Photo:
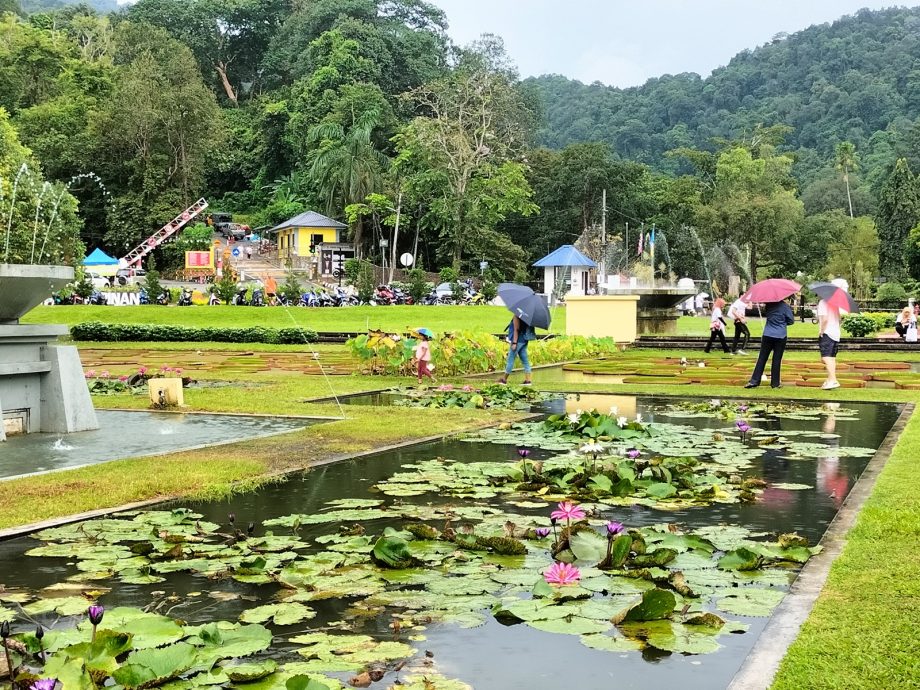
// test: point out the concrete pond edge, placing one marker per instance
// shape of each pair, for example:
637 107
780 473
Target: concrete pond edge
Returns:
762 662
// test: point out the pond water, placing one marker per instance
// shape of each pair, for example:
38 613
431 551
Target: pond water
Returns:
494 656
131 435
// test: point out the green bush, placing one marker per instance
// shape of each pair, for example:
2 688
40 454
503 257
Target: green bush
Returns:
291 289
891 292
102 332
152 281
225 288
859 325
418 287
467 353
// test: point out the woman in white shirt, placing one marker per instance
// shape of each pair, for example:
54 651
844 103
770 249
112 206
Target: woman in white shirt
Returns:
717 326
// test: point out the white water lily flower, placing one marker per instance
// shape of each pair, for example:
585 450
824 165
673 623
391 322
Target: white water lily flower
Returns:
622 422
638 419
573 418
614 410
592 447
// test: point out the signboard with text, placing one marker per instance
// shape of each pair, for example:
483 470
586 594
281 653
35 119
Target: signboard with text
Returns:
199 259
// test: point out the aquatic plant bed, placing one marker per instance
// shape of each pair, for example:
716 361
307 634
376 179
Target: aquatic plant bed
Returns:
490 396
472 563
134 434
736 371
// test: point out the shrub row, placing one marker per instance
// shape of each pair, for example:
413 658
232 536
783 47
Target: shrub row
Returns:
117 332
867 323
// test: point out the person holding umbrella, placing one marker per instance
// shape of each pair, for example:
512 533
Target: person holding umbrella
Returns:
530 312
779 316
834 300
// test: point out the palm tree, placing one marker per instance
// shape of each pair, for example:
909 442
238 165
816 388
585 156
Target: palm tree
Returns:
846 161
345 166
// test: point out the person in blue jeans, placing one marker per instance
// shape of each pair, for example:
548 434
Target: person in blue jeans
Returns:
779 316
519 335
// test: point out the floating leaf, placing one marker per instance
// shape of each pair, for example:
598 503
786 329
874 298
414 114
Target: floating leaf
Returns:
655 605
155 666
246 673
741 559
279 614
571 625
751 601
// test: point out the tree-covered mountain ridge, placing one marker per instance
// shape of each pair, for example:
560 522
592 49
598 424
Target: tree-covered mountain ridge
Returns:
856 79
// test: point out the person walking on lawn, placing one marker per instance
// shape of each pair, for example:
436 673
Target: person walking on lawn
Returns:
773 341
422 355
519 335
738 313
717 327
829 336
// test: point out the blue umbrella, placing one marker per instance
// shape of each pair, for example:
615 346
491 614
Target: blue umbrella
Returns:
524 303
425 332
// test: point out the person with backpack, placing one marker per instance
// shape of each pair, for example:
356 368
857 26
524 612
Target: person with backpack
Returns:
519 335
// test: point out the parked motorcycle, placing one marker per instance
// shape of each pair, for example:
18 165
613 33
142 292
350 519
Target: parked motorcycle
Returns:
213 300
143 298
258 299
185 299
97 299
163 298
239 299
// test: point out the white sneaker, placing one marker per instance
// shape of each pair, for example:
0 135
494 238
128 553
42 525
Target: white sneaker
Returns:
741 352
830 385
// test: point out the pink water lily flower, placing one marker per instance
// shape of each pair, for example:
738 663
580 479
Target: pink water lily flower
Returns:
568 511
446 387
562 574
468 389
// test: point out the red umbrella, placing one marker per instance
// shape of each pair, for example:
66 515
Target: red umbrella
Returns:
771 290
835 296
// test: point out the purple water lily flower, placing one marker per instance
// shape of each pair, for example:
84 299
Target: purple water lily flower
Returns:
44 684
95 614
742 408
542 532
523 452
615 528
633 453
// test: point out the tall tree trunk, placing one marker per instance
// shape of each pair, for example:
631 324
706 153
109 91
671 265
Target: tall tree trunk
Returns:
846 181
358 237
753 264
395 237
228 87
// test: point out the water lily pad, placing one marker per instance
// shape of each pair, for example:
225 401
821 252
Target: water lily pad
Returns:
150 667
571 625
280 614
670 636
741 559
751 601
609 643
246 673
655 605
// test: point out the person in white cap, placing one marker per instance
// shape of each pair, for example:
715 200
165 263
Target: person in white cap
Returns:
829 336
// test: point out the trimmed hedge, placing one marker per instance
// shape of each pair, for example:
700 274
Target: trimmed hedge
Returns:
96 331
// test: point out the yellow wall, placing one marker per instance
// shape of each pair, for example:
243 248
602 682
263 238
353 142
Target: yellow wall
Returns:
286 240
602 316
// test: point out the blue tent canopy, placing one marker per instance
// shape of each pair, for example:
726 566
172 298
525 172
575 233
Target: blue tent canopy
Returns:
566 255
99 258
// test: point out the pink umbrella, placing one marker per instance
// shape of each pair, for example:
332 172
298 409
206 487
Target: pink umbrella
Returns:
771 290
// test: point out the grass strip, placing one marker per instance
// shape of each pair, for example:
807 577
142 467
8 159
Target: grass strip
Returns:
862 631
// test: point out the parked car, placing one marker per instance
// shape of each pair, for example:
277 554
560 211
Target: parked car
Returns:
234 230
98 280
216 219
130 276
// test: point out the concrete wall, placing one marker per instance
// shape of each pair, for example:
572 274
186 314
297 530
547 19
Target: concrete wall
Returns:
602 316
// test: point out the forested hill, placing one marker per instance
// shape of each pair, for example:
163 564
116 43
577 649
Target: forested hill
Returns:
851 80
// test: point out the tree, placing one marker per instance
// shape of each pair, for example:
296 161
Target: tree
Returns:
227 37
898 213
912 253
752 206
345 167
845 161
854 255
472 124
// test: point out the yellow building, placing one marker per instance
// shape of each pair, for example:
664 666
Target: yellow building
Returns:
312 238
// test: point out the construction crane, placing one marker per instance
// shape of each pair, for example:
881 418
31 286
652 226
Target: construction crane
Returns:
136 255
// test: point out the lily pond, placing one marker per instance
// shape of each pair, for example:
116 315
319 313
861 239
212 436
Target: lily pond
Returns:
641 541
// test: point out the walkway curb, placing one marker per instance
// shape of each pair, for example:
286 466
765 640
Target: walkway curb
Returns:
760 666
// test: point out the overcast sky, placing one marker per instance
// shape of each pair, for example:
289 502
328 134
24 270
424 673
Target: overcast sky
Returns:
624 43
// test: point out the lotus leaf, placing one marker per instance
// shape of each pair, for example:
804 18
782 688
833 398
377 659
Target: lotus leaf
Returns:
225 640
571 625
741 559
656 604
279 614
246 673
334 653
151 667
588 546
670 636
751 601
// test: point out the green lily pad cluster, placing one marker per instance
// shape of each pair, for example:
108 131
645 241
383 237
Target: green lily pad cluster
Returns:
756 410
495 396
134 649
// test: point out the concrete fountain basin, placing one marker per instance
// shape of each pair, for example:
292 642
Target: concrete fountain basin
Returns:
23 287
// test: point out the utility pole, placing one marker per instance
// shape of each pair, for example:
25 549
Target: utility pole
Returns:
603 271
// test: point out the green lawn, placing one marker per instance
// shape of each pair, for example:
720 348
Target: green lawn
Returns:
699 325
348 319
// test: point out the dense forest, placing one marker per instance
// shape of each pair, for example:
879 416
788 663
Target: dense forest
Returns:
797 157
